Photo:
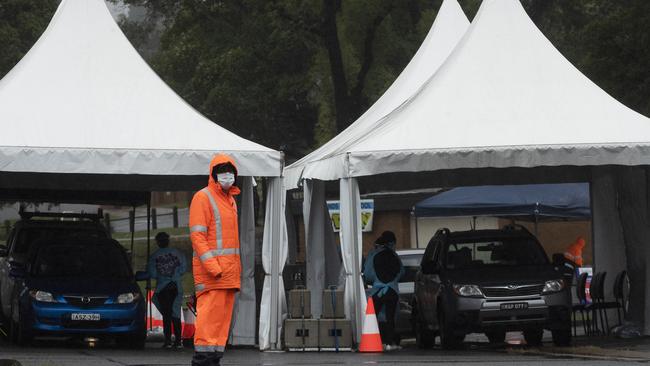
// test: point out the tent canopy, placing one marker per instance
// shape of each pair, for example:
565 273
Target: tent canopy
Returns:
570 200
83 101
505 97
447 29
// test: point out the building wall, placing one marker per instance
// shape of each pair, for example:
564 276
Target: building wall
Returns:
427 227
395 221
557 235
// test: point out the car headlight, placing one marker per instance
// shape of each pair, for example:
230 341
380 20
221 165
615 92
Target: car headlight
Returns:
42 296
127 298
468 290
553 286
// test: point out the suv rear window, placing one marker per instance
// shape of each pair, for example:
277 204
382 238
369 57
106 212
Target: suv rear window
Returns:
502 252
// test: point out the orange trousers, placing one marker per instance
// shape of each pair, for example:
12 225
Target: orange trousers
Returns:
213 316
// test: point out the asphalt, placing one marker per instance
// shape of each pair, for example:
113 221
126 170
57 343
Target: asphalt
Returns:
473 353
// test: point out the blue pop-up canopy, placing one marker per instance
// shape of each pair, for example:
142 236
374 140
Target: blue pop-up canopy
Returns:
569 200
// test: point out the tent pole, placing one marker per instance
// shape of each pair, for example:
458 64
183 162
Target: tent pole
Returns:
132 227
148 253
417 233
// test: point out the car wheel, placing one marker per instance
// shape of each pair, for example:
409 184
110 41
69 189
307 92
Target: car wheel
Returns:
19 333
497 336
424 338
562 337
448 340
533 337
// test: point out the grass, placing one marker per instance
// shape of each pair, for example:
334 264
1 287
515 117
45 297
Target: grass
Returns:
182 243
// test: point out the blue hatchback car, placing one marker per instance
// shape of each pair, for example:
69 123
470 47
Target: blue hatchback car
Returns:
78 287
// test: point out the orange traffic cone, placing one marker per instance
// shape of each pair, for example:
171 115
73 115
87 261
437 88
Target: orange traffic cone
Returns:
370 338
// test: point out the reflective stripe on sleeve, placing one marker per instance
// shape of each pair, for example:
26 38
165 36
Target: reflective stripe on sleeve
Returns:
217 217
199 287
217 253
198 228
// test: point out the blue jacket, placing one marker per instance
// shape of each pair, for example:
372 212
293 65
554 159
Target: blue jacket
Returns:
168 265
380 288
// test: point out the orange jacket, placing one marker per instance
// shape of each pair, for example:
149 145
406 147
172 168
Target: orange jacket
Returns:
215 238
574 252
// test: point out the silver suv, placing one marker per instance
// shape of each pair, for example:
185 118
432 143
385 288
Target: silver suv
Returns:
489 281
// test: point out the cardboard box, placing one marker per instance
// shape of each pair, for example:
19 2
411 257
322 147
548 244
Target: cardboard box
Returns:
301 335
333 304
299 303
335 333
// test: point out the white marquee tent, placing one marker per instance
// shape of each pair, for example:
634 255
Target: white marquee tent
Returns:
505 105
83 112
322 259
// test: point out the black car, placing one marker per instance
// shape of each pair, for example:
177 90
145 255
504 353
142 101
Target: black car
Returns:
411 259
489 281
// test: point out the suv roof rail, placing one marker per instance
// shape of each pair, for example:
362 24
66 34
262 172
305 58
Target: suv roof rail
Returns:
25 215
443 231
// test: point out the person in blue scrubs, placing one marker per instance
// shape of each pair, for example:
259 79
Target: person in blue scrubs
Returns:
383 270
167 266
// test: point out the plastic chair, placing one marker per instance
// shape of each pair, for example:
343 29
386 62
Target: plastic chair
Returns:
581 306
619 294
601 305
592 308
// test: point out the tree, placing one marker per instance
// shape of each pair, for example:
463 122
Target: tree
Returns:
21 23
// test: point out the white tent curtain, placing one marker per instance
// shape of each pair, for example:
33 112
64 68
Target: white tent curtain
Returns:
323 262
355 300
314 199
243 327
273 307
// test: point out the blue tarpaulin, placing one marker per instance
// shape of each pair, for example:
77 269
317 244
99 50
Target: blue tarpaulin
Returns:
570 200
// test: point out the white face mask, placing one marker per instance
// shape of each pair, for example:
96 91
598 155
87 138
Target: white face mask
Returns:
226 180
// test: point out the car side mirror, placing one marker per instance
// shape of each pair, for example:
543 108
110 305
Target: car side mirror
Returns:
558 259
430 268
141 275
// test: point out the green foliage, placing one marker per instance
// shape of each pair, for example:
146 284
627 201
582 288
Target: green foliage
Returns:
21 23
276 72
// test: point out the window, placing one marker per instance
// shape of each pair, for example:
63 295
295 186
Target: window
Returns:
83 260
411 263
468 254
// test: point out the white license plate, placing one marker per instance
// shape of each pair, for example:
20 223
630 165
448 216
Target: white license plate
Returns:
515 306
86 317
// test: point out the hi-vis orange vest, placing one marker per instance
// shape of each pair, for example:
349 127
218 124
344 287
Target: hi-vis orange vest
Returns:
574 252
215 235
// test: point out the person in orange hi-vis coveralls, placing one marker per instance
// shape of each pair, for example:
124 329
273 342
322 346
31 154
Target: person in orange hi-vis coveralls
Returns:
574 251
216 263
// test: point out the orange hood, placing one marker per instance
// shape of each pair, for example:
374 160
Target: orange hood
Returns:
219 159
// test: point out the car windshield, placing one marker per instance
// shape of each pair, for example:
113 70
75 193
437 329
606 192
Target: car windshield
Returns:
84 260
28 236
468 254
411 263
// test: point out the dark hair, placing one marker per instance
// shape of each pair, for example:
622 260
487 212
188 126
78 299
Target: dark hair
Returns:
162 238
385 238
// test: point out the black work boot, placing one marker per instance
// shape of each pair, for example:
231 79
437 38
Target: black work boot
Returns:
207 358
